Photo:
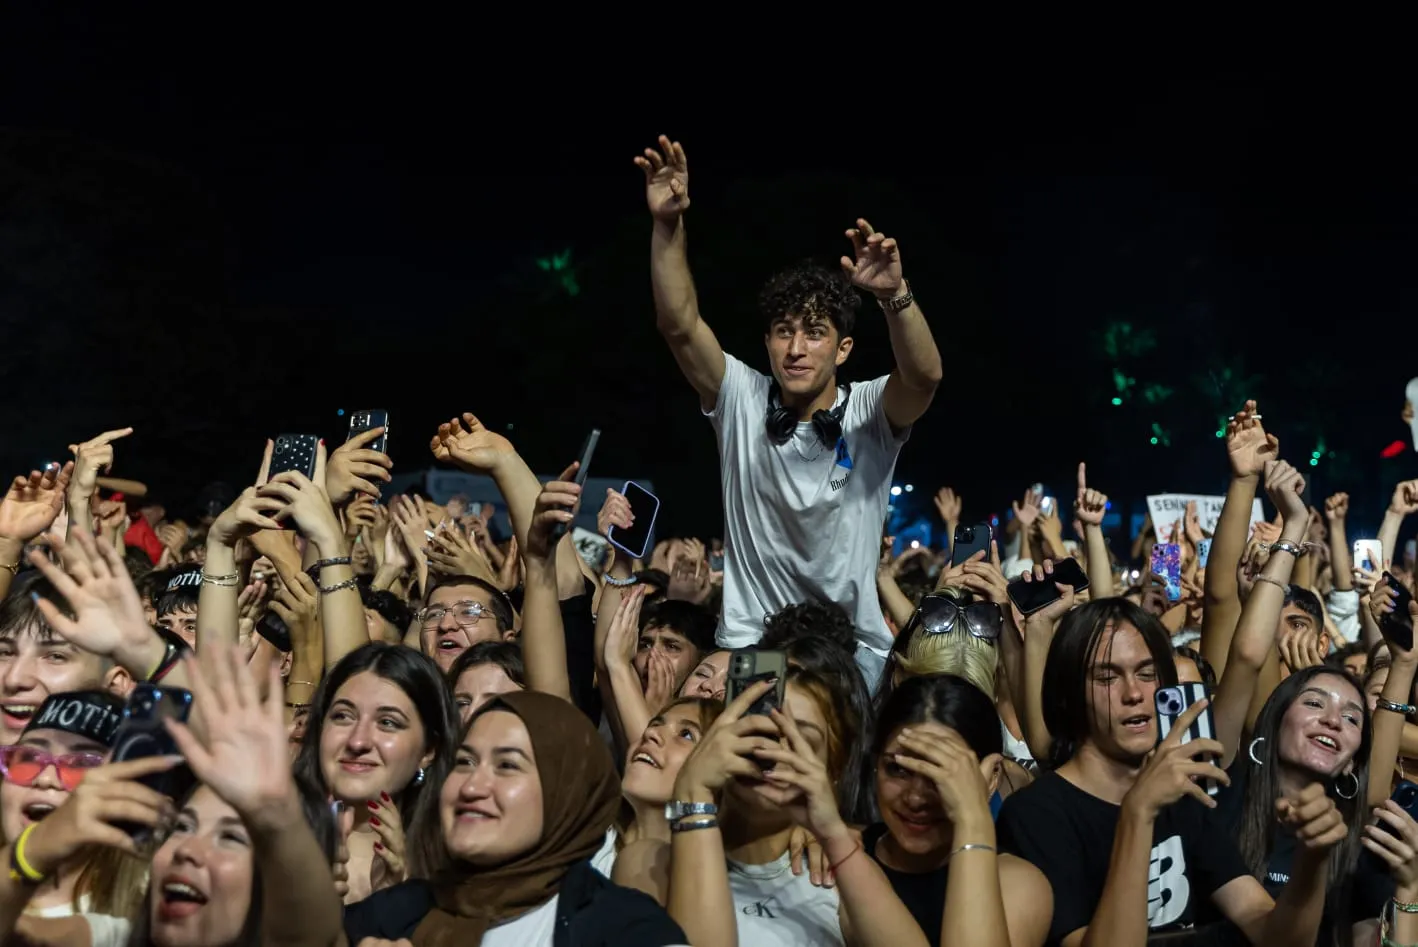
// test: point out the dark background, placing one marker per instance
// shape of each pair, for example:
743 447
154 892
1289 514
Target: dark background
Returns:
214 236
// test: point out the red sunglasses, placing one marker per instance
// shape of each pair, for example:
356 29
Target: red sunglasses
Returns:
22 765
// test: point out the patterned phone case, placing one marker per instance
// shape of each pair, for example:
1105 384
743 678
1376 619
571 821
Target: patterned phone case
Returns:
1172 702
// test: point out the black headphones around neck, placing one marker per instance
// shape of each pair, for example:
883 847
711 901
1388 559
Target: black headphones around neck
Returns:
782 422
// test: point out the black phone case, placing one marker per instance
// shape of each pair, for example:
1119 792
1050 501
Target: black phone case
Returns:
969 540
142 734
746 668
588 451
1030 597
1172 702
368 420
294 452
1397 625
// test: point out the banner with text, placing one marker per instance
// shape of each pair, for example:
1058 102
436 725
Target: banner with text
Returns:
1167 508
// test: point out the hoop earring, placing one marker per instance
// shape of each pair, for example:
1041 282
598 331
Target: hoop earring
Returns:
1252 751
1352 792
418 777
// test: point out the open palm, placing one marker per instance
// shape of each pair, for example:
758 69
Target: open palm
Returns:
244 754
108 613
32 503
1247 444
666 179
877 267
470 445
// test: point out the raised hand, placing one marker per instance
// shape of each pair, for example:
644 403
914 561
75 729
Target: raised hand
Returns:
1089 505
877 267
1405 498
689 582
1027 509
249 513
1247 445
307 503
1284 485
471 446
624 633
32 503
92 456
297 603
108 612
948 505
556 506
353 466
1191 524
244 754
450 553
666 180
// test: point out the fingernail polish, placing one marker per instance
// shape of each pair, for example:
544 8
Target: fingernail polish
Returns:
384 796
373 805
378 847
374 820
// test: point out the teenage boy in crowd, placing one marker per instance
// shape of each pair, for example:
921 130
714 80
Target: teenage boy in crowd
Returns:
806 462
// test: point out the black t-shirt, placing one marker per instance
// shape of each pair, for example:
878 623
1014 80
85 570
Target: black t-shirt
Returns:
923 893
1371 884
1068 834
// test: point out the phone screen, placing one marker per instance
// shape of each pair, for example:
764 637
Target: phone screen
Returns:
644 507
1029 597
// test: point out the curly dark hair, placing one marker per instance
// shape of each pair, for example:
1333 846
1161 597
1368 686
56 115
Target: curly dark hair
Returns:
807 289
824 619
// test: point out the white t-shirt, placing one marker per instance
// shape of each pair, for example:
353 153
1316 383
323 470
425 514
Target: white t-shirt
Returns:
533 929
802 521
604 859
104 930
776 908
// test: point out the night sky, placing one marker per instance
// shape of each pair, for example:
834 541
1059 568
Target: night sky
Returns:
215 246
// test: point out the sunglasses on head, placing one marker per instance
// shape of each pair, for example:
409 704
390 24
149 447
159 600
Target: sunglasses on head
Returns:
22 765
942 615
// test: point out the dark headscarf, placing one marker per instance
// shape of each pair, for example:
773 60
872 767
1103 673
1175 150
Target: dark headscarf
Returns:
580 797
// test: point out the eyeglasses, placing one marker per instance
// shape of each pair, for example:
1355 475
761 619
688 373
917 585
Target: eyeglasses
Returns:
465 614
941 615
22 765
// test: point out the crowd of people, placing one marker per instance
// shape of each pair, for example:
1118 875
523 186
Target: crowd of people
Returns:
319 714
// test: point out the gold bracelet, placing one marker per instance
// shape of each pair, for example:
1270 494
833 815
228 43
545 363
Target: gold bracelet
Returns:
14 567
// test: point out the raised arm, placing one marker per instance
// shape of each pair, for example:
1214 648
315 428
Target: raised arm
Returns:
877 269
1248 447
692 342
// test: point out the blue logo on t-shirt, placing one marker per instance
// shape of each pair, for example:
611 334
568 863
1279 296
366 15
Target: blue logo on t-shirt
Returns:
844 459
842 469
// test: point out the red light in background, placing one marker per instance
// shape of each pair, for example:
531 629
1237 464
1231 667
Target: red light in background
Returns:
1393 450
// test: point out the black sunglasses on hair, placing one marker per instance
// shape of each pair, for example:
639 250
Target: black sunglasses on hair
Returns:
941 615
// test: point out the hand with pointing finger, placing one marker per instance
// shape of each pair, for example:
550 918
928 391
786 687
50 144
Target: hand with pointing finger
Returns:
1089 505
92 456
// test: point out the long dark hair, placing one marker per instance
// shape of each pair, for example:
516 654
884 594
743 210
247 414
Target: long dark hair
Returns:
322 823
1257 828
945 699
422 682
1066 688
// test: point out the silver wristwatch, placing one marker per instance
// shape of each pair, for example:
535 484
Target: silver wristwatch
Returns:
898 303
674 811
